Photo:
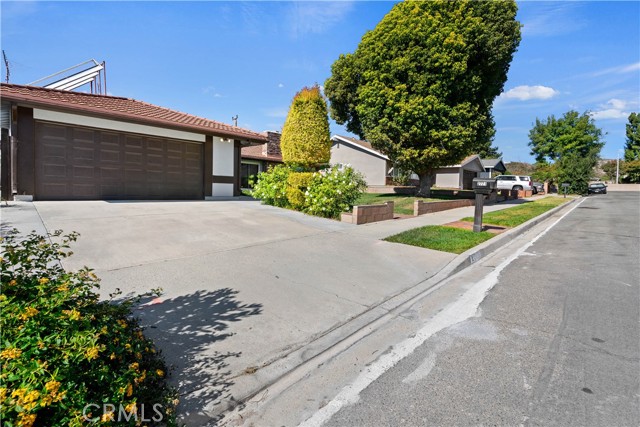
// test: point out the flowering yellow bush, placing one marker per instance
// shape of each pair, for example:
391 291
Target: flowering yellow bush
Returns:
63 349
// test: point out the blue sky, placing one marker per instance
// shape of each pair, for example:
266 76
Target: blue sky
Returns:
219 59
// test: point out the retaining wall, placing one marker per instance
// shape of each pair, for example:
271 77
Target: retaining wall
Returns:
369 213
420 207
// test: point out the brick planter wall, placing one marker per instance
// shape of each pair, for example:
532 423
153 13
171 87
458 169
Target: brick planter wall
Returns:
369 213
420 207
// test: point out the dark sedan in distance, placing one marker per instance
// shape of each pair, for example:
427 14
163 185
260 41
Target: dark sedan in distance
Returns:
597 188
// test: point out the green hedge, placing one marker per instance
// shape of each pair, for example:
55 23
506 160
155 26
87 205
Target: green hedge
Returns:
327 193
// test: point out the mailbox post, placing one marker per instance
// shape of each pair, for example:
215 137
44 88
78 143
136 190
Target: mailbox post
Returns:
482 187
565 187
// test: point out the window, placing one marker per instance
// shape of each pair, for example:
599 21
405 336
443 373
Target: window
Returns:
248 171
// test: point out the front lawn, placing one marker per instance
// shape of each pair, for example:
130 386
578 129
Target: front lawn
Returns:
402 204
441 238
520 214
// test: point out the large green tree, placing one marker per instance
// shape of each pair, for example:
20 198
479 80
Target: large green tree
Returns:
306 141
420 86
551 139
571 143
632 146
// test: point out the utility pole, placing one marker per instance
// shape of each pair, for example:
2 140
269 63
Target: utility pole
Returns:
6 65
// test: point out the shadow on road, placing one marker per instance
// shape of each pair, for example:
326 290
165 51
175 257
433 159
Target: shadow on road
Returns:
186 329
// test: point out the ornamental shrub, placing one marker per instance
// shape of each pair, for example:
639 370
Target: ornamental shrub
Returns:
306 141
271 186
63 349
334 191
297 185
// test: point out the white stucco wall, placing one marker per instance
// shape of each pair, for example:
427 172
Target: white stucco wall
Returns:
373 168
222 157
97 122
221 190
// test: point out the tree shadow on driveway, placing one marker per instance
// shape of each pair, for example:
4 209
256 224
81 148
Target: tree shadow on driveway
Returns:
186 329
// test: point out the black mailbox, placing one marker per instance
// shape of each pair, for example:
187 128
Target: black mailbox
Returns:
484 185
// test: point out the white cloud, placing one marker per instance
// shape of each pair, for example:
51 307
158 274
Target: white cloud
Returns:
280 85
316 17
526 93
621 69
609 113
613 109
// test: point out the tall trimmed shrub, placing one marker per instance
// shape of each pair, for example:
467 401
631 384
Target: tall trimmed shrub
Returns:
306 141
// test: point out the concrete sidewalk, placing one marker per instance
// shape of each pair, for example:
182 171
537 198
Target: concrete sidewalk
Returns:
251 291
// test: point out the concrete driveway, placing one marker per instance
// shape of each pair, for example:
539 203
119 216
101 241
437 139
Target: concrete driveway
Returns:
245 285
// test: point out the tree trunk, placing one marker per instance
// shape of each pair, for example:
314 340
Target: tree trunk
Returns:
426 181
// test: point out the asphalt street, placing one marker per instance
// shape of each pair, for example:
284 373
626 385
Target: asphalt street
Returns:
555 342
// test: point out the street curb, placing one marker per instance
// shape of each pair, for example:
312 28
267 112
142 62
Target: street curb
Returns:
476 253
354 329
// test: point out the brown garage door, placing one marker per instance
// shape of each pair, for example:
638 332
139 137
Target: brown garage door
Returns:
75 163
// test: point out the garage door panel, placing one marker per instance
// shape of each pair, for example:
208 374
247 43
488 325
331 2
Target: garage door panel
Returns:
54 132
56 191
83 172
133 158
84 153
192 164
155 144
53 171
155 160
110 174
109 156
84 191
82 163
53 151
132 142
82 135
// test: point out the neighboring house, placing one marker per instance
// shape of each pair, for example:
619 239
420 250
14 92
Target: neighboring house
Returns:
493 165
374 165
259 158
62 145
460 176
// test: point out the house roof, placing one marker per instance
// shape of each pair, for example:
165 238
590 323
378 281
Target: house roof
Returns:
257 152
467 160
366 146
119 108
496 164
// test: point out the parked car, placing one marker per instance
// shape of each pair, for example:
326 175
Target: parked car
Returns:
538 187
513 182
597 188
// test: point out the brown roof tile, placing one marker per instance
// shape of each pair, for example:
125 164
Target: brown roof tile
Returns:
122 108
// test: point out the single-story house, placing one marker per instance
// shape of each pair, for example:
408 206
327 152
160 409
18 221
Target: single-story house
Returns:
461 175
493 165
64 145
374 165
259 158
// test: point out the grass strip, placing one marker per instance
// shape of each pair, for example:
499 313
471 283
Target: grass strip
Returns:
441 238
520 214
